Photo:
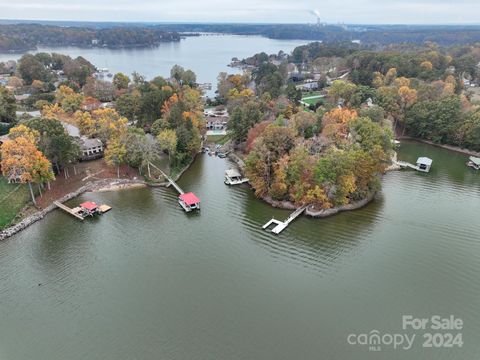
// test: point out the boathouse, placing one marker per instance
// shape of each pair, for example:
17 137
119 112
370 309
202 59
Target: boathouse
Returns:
474 162
424 164
233 177
189 201
89 208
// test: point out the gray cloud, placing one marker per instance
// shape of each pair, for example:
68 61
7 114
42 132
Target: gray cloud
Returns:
349 11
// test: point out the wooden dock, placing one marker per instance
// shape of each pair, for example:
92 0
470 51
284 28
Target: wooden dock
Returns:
170 180
281 225
68 210
405 164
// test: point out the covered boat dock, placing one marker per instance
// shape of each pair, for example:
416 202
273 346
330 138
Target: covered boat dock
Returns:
474 162
189 201
233 177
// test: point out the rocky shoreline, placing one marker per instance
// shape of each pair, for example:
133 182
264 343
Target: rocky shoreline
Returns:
103 185
288 205
329 212
94 186
310 211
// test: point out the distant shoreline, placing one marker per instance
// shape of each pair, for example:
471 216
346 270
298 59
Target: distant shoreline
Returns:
443 146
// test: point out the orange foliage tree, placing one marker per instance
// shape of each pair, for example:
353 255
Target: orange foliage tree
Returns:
23 163
335 123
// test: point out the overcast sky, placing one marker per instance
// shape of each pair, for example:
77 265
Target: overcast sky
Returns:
296 11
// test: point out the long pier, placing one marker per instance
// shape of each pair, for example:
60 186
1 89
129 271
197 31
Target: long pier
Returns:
281 225
405 164
170 180
68 210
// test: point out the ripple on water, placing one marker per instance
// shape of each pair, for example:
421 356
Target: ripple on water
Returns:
148 280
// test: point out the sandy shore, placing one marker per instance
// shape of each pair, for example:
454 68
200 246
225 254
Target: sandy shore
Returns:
116 187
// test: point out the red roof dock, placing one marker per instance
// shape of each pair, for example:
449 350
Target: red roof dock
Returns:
189 201
189 198
89 205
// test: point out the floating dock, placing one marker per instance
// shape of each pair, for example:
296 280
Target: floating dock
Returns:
405 164
424 164
75 211
474 162
233 177
281 225
188 201
85 209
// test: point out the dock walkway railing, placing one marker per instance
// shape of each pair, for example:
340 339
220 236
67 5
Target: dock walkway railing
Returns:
405 164
281 225
68 210
170 180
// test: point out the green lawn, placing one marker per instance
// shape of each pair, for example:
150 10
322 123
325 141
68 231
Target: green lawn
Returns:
218 139
311 97
312 101
13 198
310 93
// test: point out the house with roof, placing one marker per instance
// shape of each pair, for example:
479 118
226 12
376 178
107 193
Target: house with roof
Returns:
216 123
308 86
90 104
91 148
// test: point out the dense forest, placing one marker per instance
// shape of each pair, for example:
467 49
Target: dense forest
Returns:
26 36
368 34
23 37
327 152
330 151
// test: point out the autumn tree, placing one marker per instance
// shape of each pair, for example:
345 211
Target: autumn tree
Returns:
305 124
8 106
68 99
128 105
54 142
407 97
335 123
116 153
121 81
30 69
104 124
342 90
22 162
167 140
15 82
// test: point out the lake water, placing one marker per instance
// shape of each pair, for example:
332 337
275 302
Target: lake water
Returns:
206 55
147 281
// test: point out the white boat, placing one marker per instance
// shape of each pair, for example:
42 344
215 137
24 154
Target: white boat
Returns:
233 177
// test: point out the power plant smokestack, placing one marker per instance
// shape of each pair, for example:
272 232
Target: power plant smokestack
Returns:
317 14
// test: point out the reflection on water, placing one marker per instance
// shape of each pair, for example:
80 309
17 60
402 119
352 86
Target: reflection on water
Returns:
205 55
147 280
